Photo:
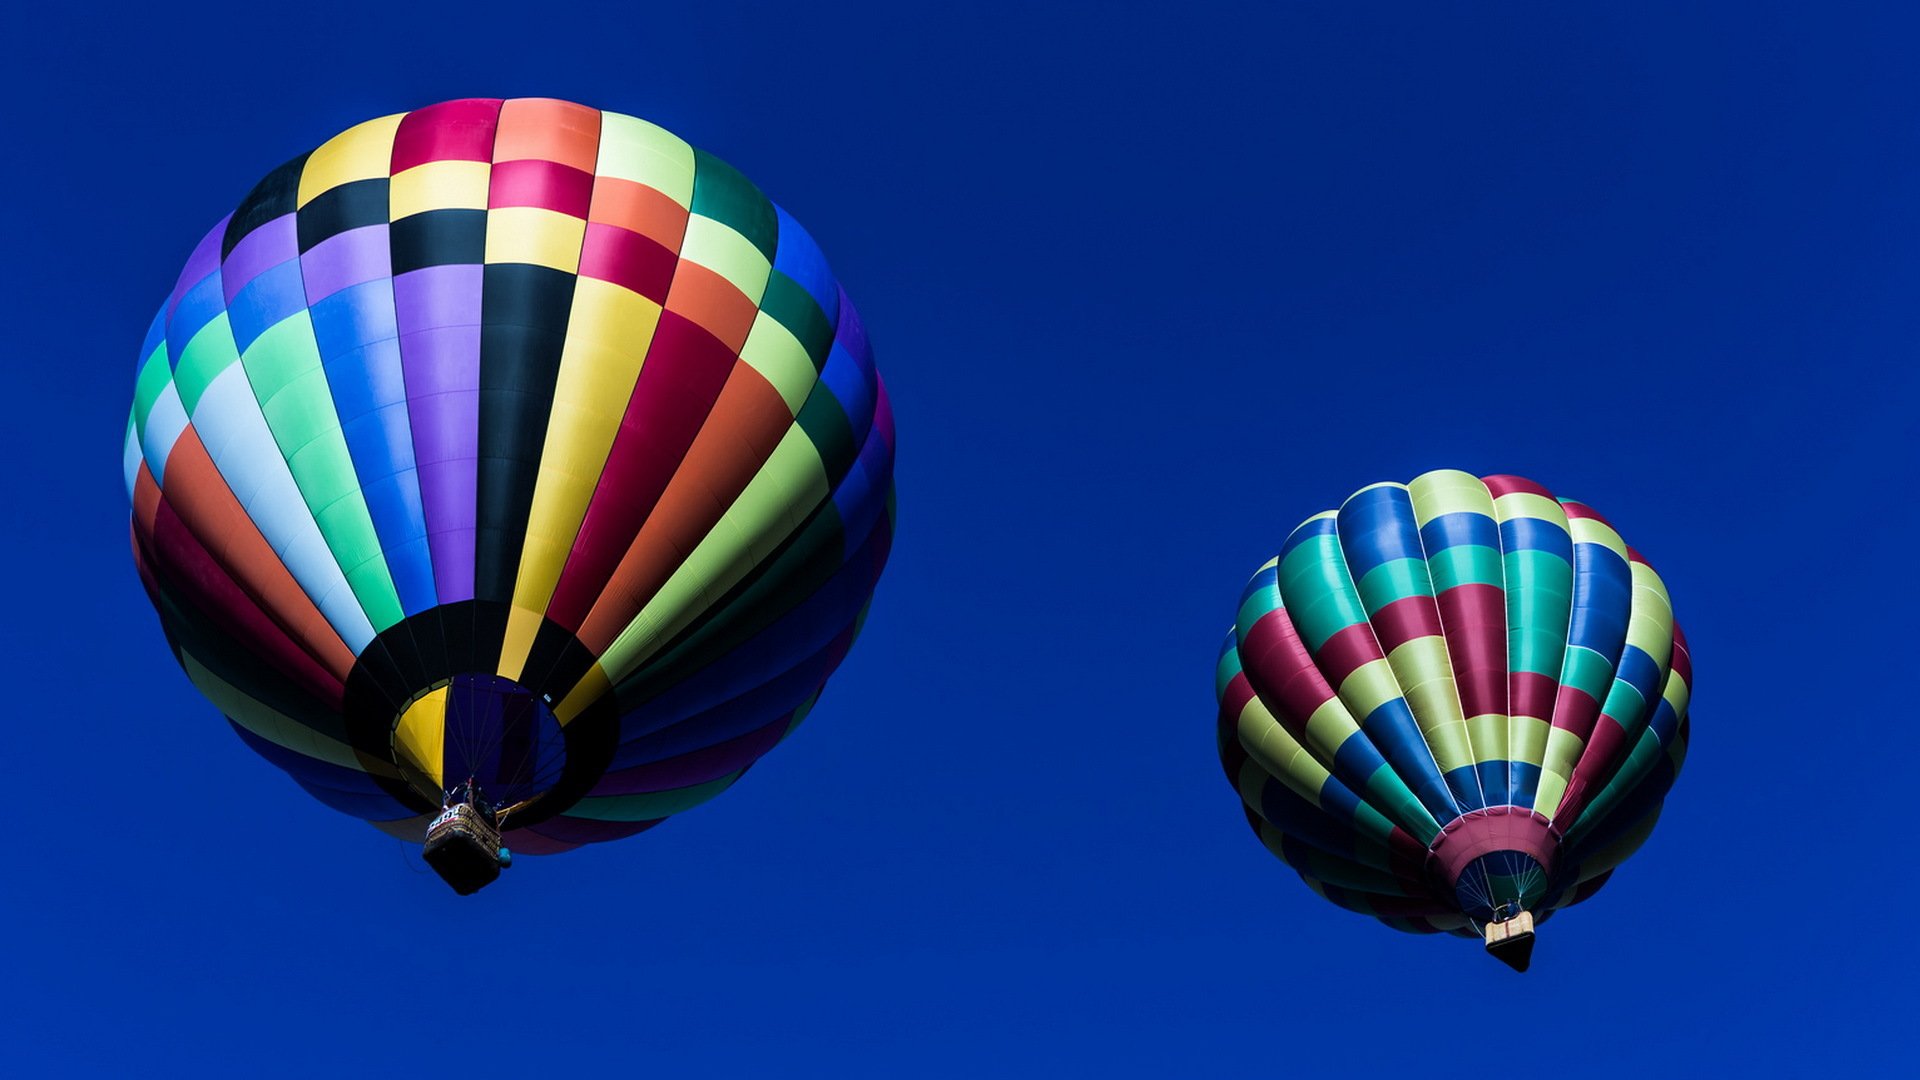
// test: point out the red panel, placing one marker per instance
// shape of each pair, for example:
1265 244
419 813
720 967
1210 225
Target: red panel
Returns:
452 131
545 184
683 373
1475 617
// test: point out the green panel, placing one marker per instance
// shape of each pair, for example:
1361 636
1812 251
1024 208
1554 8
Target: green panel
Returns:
1319 596
203 359
721 193
826 425
283 365
147 388
1388 792
1254 607
793 307
1466 564
1587 670
1394 580
1225 672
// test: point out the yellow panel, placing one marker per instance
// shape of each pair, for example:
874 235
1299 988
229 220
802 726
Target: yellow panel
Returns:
529 234
632 149
1529 735
1489 734
1448 491
1277 752
584 693
1519 504
607 335
725 252
773 351
1448 744
1594 531
522 625
362 152
1370 686
1329 727
419 736
1650 621
439 185
1546 797
1563 752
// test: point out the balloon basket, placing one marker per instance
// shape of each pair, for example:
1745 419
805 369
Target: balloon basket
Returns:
463 847
1511 941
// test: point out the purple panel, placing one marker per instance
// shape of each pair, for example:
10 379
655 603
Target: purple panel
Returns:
260 250
204 260
438 313
353 257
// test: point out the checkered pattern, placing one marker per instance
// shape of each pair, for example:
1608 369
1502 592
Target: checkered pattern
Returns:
515 388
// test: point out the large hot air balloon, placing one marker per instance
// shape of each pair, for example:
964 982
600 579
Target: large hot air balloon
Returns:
1454 705
509 465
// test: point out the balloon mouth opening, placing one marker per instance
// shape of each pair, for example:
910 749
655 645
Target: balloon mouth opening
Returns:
483 728
1496 862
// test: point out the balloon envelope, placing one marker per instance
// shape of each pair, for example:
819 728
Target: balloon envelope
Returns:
1452 700
515 441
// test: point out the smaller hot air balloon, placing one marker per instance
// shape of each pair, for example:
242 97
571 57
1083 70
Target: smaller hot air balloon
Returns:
1455 705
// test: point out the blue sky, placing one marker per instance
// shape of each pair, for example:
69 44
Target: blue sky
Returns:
1148 288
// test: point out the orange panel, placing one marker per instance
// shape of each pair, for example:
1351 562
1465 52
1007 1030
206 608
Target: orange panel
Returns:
206 505
639 208
712 303
548 130
747 422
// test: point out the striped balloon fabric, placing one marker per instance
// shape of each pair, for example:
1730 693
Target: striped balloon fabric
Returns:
1452 700
515 441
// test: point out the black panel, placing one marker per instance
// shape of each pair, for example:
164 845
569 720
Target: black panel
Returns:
524 328
274 196
438 238
337 210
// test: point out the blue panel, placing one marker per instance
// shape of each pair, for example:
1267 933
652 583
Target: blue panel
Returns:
1356 760
1461 527
1602 599
156 336
1377 526
798 257
852 385
355 316
1526 783
1639 671
1307 531
354 329
1533 534
265 301
1467 781
199 306
861 498
1393 730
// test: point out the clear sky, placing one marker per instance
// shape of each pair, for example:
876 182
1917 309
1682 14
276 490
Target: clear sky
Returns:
1148 286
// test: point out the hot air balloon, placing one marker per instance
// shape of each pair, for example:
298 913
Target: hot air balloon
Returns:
511 468
1454 705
